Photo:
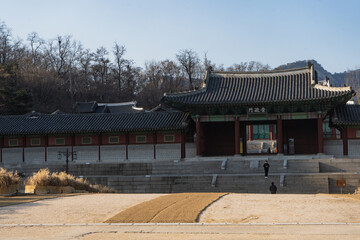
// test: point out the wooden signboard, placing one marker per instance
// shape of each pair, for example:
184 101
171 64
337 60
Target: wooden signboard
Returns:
341 183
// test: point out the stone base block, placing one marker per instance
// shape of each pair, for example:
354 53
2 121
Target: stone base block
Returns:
9 190
48 189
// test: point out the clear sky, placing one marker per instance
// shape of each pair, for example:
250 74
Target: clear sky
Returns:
273 32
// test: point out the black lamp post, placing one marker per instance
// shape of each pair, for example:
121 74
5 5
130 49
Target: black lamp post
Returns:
66 153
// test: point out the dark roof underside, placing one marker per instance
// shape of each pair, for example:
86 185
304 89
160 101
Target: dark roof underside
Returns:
89 123
346 115
251 88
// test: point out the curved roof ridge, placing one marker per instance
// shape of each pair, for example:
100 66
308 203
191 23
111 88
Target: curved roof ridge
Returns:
261 73
188 92
269 71
334 89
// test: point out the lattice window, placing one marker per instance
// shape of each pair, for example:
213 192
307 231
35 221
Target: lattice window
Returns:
13 142
59 141
35 141
141 139
169 138
113 139
86 140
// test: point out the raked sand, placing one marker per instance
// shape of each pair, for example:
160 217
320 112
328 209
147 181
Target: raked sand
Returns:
232 208
92 208
282 208
329 214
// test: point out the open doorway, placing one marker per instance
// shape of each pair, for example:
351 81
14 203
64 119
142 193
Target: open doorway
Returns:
261 139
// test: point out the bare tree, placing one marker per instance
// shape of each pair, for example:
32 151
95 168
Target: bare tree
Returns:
190 64
120 62
35 47
5 42
101 66
252 66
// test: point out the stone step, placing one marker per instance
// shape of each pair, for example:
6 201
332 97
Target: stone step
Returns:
295 183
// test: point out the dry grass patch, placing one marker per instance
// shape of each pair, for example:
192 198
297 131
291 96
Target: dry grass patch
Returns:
61 179
172 208
8 178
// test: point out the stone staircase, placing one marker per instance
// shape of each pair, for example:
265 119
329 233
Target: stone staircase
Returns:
291 174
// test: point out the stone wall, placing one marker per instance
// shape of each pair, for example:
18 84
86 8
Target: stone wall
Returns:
113 154
34 155
90 154
141 152
12 155
190 150
333 147
354 147
168 151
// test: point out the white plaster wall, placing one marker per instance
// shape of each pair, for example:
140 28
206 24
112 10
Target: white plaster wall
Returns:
12 155
354 148
333 147
143 152
86 154
52 155
168 151
113 153
190 150
35 155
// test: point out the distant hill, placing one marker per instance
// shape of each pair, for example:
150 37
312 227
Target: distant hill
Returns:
349 78
337 80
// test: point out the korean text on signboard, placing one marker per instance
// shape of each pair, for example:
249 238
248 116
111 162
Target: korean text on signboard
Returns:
256 110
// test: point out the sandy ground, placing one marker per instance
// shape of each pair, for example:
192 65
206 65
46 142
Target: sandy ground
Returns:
282 208
92 208
254 216
234 232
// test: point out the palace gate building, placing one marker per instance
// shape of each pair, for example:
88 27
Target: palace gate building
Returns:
275 112
263 112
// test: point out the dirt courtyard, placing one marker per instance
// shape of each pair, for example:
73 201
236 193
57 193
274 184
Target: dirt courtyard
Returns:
234 216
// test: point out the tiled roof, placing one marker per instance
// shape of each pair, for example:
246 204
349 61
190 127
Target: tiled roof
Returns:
85 107
88 123
95 107
163 107
124 107
231 88
346 115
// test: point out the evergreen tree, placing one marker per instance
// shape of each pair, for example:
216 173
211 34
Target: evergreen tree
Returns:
14 99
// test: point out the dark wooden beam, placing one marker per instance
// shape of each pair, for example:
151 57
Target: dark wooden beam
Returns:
344 135
320 134
237 136
279 130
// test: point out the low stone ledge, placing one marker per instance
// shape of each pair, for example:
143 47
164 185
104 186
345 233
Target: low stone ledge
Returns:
48 189
10 189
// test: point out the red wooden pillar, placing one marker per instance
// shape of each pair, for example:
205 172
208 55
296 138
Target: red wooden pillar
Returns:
155 142
237 136
344 133
271 131
45 146
279 130
250 133
23 148
320 134
72 146
243 138
127 145
183 143
198 136
99 144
